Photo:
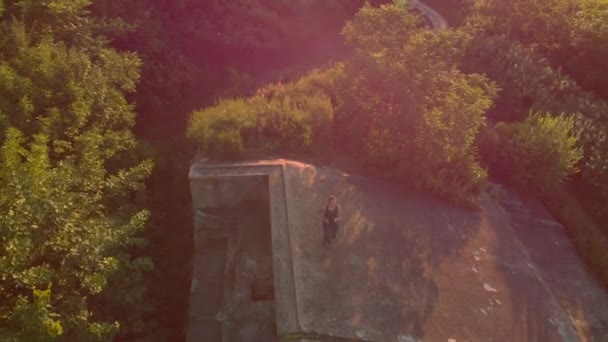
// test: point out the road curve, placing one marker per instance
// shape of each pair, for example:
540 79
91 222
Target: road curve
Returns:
437 20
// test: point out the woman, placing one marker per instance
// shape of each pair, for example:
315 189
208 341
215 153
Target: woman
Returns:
330 215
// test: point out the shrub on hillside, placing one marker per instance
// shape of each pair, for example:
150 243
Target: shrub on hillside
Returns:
279 125
408 109
278 118
401 103
217 130
530 83
315 94
460 181
445 137
540 152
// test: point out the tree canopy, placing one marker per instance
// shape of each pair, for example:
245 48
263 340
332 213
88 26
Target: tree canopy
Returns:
71 178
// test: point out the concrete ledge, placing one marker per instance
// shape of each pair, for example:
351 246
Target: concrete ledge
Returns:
286 294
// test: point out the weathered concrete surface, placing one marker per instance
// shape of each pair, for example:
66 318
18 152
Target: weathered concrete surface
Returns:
406 267
225 185
558 266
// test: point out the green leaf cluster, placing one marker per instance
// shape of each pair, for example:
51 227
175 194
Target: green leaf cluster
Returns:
72 179
279 118
529 83
539 153
549 57
573 35
409 107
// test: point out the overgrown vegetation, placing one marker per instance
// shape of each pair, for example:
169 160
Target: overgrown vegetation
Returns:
399 101
72 198
535 53
194 51
523 82
571 34
412 102
537 154
281 118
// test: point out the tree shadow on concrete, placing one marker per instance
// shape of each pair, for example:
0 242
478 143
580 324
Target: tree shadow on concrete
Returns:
554 297
373 283
530 300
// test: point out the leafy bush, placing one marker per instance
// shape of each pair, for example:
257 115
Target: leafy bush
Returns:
445 137
571 34
281 124
278 118
529 83
459 181
316 94
72 180
381 29
217 130
400 102
586 58
538 23
540 152
408 109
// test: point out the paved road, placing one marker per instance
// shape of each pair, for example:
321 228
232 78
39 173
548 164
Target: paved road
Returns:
437 20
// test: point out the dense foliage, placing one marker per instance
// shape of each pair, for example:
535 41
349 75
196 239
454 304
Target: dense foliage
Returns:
400 101
280 118
529 83
538 154
71 179
571 34
412 102
549 56
196 50
525 82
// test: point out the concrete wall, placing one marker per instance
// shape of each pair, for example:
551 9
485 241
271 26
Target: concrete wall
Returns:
213 186
216 199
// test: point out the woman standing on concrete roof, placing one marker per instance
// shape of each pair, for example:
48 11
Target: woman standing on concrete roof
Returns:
330 215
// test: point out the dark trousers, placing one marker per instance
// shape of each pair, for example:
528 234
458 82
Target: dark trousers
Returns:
330 230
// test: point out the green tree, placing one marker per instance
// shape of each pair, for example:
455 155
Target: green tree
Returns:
539 153
529 83
408 106
589 46
278 118
381 30
534 23
61 245
72 180
573 35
